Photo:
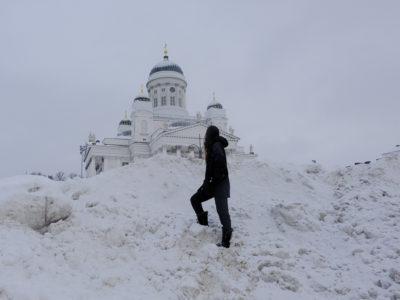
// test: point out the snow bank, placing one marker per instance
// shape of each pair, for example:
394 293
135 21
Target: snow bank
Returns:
130 233
23 200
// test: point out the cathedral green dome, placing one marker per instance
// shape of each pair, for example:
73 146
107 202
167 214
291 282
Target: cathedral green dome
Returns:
125 122
166 65
215 105
141 98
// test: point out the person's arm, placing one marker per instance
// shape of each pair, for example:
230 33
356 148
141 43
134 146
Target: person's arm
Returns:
218 163
205 187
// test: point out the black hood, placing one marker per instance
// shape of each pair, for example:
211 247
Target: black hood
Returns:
212 133
222 140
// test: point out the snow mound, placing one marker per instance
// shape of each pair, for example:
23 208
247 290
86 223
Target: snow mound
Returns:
295 215
26 204
299 233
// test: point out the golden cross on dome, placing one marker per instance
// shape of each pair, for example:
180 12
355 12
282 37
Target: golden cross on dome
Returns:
141 89
165 49
214 96
126 115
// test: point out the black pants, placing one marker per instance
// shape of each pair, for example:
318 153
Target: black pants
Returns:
220 202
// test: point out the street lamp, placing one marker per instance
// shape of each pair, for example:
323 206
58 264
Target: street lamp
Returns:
199 147
82 150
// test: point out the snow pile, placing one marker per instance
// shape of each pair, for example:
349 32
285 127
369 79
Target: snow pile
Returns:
23 201
299 233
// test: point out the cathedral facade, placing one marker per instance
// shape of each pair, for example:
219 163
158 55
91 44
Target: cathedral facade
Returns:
159 122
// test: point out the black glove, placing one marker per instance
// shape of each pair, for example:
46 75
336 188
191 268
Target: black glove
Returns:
218 176
200 189
207 186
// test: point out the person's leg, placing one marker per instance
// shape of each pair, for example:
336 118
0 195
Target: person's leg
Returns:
223 212
196 200
221 204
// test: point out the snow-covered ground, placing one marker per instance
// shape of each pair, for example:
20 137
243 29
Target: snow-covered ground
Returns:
299 233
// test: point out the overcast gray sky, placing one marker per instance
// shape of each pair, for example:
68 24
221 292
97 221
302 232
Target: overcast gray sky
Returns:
300 80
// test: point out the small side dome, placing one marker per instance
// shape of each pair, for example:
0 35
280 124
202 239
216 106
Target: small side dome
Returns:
142 98
124 128
125 122
215 105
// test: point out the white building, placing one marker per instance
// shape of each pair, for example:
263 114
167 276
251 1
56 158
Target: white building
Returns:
159 122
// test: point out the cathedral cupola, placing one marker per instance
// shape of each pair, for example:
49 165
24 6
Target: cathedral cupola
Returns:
166 66
141 102
125 126
141 96
214 104
216 115
142 118
166 87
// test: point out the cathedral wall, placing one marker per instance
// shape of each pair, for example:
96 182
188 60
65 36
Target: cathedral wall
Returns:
90 171
168 96
221 123
102 158
112 162
158 124
143 126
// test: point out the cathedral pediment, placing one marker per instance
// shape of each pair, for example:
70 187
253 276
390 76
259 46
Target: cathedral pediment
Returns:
191 134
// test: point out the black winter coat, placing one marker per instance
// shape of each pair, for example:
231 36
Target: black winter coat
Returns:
216 182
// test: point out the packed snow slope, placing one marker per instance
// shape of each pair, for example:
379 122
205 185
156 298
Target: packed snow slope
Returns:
130 233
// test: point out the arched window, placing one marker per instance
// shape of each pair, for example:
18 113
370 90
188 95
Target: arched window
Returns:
155 102
172 98
164 100
143 126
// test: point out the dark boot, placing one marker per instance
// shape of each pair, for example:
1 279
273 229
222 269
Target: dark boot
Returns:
203 218
226 237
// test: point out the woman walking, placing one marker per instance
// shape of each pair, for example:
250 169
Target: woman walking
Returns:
215 185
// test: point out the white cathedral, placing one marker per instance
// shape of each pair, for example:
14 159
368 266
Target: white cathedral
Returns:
159 122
